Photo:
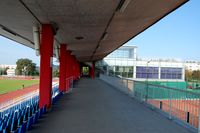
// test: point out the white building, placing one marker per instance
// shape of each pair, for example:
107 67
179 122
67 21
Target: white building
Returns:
124 62
11 72
192 65
8 66
159 70
11 69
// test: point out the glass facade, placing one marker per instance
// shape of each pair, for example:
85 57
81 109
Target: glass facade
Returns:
116 69
122 53
120 62
171 73
124 71
123 62
147 72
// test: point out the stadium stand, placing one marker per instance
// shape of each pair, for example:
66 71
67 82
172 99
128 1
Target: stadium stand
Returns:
20 118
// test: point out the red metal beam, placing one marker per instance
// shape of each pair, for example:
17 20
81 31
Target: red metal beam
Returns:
92 70
46 50
63 64
68 69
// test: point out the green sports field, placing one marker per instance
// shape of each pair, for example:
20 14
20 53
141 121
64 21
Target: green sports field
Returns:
8 85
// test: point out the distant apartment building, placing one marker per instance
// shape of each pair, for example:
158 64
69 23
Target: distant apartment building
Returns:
8 66
192 65
11 72
11 69
124 62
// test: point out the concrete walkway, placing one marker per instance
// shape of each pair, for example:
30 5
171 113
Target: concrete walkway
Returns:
95 107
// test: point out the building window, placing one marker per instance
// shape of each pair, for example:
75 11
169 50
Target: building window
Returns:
147 72
121 53
124 71
171 73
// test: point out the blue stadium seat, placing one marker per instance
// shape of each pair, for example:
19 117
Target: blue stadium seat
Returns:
21 117
36 116
22 128
29 123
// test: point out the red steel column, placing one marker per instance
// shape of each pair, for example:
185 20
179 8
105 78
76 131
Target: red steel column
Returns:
67 70
74 67
46 50
63 60
92 70
70 66
79 69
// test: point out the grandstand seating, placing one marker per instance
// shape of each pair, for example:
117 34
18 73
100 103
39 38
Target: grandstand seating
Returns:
21 117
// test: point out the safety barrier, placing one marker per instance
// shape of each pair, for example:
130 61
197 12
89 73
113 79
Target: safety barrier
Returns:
69 84
22 119
178 104
18 102
20 113
21 101
29 98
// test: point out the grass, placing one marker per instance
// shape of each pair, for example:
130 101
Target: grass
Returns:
8 85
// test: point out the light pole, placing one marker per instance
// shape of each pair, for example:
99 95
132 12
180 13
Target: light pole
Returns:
147 72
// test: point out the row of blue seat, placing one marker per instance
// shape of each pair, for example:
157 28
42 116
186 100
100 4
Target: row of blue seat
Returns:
22 104
19 119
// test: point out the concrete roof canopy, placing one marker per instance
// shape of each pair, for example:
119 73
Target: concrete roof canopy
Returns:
90 28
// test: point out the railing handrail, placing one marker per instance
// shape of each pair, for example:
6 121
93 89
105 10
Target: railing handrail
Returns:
161 86
21 99
27 96
174 103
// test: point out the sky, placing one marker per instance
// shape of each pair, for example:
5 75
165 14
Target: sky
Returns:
175 36
11 51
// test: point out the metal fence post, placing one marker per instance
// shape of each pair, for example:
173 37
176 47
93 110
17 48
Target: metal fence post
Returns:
72 84
127 83
161 104
170 104
146 96
141 97
199 119
133 88
188 117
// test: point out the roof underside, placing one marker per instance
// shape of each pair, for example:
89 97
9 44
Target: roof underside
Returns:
102 26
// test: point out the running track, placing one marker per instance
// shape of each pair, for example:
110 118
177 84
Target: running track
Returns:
14 94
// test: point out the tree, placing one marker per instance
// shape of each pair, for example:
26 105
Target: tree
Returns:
56 73
188 75
25 67
3 71
196 75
